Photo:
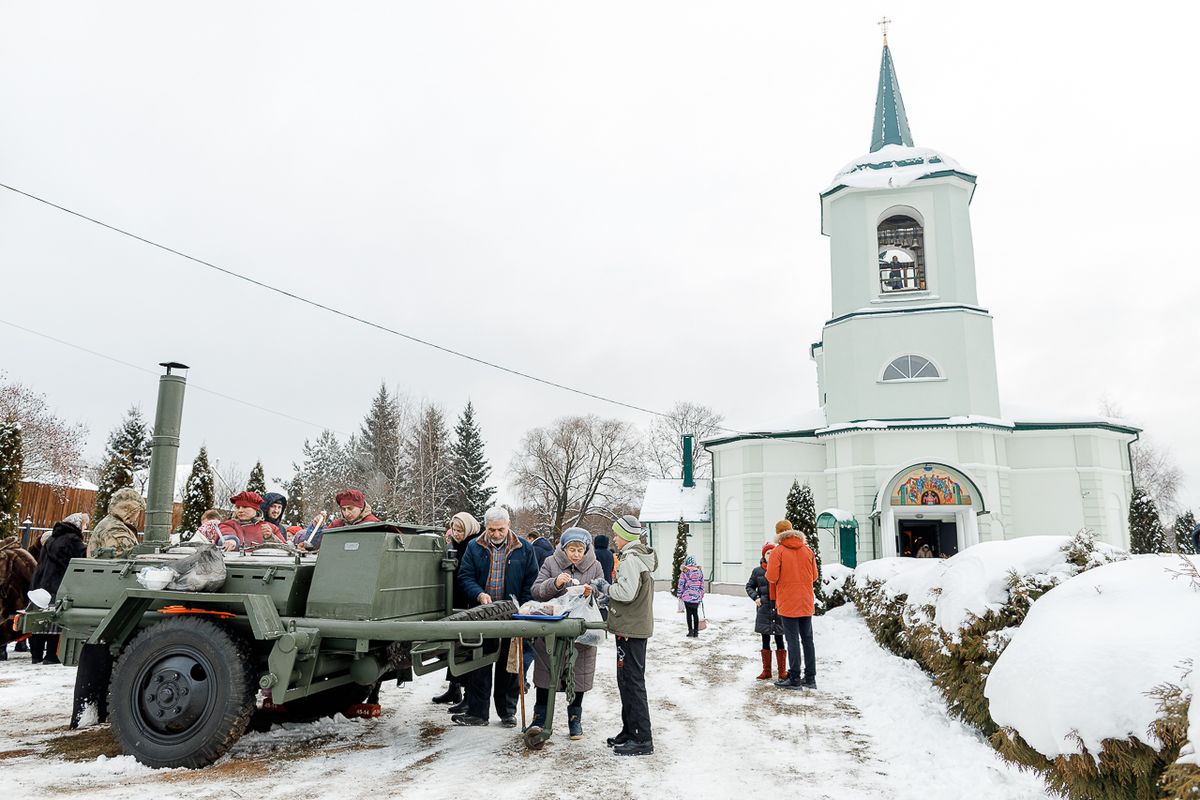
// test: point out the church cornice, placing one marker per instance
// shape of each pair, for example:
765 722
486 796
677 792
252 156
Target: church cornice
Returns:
934 423
883 312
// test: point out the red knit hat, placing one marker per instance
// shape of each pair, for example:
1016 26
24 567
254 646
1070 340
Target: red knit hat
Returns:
766 548
352 497
246 500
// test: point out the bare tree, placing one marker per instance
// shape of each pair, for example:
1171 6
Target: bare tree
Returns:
51 447
576 467
229 479
1154 468
665 451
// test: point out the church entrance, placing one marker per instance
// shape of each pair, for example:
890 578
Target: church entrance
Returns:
939 535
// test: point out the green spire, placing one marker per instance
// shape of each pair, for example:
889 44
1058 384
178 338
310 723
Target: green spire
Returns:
891 123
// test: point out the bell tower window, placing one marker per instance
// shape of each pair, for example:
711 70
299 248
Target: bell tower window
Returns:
901 240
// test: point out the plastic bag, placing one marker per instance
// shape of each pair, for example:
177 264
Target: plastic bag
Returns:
155 578
579 607
204 571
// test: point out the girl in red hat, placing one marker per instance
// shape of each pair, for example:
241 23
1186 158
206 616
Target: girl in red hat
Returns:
766 621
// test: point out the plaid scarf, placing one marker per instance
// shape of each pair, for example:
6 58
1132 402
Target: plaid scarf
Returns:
499 555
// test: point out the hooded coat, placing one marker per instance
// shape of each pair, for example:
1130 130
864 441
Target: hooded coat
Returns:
791 571
116 531
631 596
586 571
269 499
16 572
766 620
66 543
605 557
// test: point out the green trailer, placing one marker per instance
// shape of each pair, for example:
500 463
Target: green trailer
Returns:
312 633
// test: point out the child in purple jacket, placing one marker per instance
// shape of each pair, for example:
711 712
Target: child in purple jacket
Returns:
691 592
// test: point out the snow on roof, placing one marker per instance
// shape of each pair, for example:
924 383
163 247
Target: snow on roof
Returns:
891 167
1060 659
667 500
840 514
1022 413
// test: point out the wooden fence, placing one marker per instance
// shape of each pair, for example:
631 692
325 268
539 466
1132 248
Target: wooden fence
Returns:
46 505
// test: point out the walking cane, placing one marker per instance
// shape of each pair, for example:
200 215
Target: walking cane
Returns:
521 676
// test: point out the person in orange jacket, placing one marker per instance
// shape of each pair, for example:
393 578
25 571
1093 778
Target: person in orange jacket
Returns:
791 571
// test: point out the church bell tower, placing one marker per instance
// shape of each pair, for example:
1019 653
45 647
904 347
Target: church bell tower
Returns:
907 338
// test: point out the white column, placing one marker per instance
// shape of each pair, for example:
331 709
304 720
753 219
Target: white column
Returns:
887 531
968 524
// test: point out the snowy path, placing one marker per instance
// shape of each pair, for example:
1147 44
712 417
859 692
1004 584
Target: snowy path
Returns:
874 729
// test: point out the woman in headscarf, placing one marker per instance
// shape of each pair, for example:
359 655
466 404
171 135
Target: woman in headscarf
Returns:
463 528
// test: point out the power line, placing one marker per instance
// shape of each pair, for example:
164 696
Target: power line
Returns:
191 385
344 314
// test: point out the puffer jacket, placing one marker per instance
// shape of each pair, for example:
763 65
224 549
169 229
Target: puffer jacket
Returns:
791 571
586 571
759 588
691 584
66 543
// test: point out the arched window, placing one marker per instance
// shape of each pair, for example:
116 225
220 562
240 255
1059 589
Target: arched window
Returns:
901 240
910 368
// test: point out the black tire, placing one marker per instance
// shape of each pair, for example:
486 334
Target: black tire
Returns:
501 609
182 693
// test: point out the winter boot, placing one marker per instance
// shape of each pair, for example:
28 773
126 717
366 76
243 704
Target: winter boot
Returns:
539 717
765 675
22 646
575 722
451 695
781 663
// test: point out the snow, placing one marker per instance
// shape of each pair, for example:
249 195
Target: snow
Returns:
668 500
840 514
875 728
833 577
1114 632
892 166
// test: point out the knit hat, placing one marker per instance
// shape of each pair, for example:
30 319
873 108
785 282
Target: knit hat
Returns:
766 548
351 497
469 523
246 500
690 561
77 519
294 529
782 525
574 535
628 528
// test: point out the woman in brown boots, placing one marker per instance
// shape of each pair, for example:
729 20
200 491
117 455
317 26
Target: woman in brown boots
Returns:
766 621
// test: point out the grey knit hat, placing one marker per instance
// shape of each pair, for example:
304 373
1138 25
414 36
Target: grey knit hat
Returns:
628 528
575 535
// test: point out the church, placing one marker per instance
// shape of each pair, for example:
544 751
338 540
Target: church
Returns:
909 448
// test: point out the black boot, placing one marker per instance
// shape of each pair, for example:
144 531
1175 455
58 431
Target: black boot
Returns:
634 748
620 738
22 646
452 695
575 722
539 717
458 708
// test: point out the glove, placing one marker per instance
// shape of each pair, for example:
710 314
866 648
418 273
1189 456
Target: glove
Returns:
600 586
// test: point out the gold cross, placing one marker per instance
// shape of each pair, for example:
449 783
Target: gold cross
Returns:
883 23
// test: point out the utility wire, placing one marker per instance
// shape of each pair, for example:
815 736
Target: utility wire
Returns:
345 315
152 372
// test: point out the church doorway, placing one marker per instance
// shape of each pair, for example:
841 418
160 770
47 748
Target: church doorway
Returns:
939 535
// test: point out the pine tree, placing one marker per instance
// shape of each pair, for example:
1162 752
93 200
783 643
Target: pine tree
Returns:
295 512
471 470
10 477
429 457
324 473
128 451
681 548
1185 523
378 441
198 492
802 513
257 482
1146 533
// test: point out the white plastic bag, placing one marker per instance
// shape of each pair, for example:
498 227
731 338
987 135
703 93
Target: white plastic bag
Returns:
579 607
155 578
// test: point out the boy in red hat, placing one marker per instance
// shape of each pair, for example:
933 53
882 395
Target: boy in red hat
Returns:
247 526
355 511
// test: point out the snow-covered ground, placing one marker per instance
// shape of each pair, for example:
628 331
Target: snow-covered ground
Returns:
875 728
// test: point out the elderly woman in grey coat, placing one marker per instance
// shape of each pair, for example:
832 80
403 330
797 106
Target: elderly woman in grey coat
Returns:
573 562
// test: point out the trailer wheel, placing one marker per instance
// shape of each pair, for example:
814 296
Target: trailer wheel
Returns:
182 693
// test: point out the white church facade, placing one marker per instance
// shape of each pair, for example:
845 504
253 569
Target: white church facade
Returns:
910 444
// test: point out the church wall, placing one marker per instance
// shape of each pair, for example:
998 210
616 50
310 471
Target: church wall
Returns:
958 342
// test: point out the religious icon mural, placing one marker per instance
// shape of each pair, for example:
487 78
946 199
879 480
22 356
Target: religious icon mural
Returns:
929 485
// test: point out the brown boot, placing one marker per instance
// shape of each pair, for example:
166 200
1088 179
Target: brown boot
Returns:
765 675
781 663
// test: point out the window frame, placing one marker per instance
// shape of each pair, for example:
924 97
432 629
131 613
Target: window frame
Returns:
929 362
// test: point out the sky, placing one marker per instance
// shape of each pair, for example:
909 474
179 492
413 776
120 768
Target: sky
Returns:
621 197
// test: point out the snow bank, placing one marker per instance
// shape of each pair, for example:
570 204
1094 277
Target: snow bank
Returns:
1114 632
833 577
884 569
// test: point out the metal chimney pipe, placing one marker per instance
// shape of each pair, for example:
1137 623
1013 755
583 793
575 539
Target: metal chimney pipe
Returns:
688 478
164 451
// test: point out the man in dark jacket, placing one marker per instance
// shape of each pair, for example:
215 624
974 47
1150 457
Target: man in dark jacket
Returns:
66 542
273 506
604 556
496 566
542 549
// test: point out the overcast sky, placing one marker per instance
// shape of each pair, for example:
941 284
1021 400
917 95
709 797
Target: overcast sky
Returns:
616 196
